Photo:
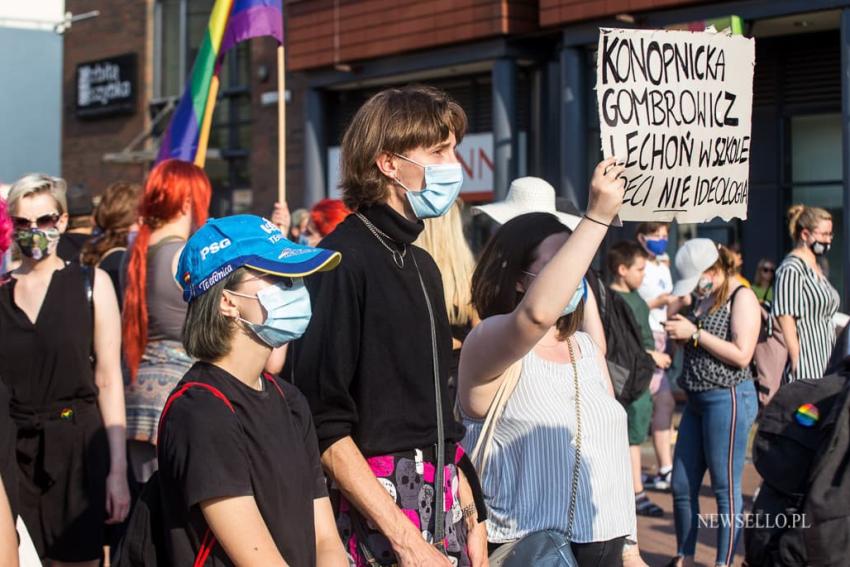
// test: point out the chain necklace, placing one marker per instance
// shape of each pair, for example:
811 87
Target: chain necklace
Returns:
398 257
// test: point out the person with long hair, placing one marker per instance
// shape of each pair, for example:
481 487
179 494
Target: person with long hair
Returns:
529 290
60 358
240 474
805 301
719 340
444 240
174 203
116 216
324 218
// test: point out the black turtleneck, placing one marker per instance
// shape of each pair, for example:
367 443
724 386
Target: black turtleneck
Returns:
365 362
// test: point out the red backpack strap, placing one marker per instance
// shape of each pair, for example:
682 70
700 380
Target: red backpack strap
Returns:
270 378
208 541
185 388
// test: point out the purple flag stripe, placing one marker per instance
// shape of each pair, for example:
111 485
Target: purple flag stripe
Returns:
253 22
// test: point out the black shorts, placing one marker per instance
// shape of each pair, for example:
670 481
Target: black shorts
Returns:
63 461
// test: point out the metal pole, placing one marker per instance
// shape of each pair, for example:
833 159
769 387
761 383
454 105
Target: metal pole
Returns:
505 134
314 148
573 126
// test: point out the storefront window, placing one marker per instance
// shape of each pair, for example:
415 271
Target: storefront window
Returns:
816 177
181 26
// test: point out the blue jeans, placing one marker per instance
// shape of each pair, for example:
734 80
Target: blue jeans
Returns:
712 435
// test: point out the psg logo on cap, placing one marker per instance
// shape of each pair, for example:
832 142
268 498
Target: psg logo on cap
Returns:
807 415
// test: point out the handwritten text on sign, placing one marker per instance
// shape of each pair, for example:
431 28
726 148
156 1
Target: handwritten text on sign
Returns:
676 106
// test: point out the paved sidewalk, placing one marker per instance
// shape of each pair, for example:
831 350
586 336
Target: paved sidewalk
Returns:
658 536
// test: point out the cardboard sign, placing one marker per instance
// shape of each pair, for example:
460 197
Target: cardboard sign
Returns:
676 107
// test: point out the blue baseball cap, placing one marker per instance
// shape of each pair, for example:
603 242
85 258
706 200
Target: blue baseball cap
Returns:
224 245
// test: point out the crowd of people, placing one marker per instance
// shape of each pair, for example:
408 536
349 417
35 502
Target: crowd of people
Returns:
350 385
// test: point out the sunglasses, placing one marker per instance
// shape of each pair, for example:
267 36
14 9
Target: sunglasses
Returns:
43 222
768 270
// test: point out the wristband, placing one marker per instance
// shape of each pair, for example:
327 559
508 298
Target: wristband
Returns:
597 222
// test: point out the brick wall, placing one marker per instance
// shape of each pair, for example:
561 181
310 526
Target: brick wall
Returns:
557 12
123 26
325 32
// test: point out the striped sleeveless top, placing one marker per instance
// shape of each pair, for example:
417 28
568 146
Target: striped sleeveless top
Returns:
802 293
527 481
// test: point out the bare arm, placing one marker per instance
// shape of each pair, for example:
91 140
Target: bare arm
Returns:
501 340
238 526
660 301
592 322
8 534
745 321
476 538
346 465
329 550
788 324
676 304
110 397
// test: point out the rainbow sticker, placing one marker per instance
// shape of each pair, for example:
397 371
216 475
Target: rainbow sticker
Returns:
807 415
66 413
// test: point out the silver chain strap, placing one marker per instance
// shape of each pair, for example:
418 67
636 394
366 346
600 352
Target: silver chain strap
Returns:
398 257
577 468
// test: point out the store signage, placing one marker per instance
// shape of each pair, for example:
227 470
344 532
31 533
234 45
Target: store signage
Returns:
475 154
107 86
676 107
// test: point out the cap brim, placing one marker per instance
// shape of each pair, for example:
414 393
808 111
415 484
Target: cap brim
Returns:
503 212
319 260
685 286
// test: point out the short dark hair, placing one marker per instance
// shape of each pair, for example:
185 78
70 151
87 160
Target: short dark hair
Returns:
624 253
507 255
650 227
206 332
394 120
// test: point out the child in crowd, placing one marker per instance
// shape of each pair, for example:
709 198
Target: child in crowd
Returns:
655 290
627 266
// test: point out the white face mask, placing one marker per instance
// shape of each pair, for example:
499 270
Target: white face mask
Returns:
442 186
704 286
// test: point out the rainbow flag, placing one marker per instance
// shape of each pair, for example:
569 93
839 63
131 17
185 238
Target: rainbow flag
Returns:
231 22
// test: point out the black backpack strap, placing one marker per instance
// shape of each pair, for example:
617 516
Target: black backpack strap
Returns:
88 288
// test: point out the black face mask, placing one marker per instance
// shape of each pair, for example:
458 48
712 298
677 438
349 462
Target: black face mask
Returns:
820 248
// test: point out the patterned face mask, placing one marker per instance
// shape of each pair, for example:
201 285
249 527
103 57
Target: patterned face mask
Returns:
37 243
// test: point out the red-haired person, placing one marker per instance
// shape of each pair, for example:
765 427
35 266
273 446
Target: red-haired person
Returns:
60 357
324 216
174 203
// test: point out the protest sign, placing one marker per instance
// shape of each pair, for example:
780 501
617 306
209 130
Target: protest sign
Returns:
676 107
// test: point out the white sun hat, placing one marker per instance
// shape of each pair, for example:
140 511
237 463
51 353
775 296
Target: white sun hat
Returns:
693 258
527 195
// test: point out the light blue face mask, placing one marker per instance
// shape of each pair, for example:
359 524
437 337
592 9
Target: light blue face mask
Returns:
288 310
579 295
442 186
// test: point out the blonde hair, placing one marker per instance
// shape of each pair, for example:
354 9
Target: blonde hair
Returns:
801 217
34 184
444 240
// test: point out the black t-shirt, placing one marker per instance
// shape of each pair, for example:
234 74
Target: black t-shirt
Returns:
267 449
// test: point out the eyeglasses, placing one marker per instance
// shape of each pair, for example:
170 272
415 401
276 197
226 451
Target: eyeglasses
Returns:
43 222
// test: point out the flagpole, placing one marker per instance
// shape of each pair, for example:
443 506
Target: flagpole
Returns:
206 125
281 124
